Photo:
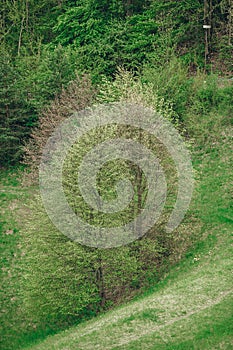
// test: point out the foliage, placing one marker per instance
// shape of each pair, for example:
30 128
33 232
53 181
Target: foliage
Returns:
16 115
111 42
191 97
27 84
103 277
79 95
171 83
26 24
194 296
128 87
70 282
44 44
60 288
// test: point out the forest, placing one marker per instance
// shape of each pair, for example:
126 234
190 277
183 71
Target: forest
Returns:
44 44
61 58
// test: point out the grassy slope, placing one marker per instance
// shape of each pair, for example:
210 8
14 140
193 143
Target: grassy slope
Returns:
11 193
12 196
192 307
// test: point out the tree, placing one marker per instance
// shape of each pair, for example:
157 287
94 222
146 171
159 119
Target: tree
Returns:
26 24
16 115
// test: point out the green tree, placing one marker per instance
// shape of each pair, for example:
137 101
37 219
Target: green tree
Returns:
16 115
25 24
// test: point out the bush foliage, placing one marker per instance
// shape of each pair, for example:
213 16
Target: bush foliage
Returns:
69 281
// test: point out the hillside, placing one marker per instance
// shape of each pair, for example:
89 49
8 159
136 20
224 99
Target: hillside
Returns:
116 174
192 307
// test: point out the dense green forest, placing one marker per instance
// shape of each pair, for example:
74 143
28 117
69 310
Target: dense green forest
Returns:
45 44
63 56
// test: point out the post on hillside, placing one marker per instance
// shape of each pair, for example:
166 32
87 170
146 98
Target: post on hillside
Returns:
208 8
206 27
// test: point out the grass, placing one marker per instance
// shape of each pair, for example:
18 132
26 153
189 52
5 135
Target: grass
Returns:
191 311
13 323
191 308
10 195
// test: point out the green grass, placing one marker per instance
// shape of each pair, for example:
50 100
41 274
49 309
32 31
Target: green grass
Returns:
10 193
13 323
191 308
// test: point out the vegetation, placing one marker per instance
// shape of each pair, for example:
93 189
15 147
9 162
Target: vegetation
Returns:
192 307
57 58
43 43
198 299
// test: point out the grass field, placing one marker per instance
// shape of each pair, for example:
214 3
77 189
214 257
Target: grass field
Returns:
191 308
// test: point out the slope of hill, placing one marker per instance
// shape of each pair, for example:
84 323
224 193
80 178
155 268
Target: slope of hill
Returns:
192 307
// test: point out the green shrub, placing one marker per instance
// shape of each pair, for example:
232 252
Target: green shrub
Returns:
193 98
58 285
170 81
64 282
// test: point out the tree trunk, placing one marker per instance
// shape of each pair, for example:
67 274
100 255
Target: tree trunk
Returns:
230 22
100 281
128 7
20 36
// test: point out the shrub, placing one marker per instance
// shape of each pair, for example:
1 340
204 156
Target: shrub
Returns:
79 95
64 282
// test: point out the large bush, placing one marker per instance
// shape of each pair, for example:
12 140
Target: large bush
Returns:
63 281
